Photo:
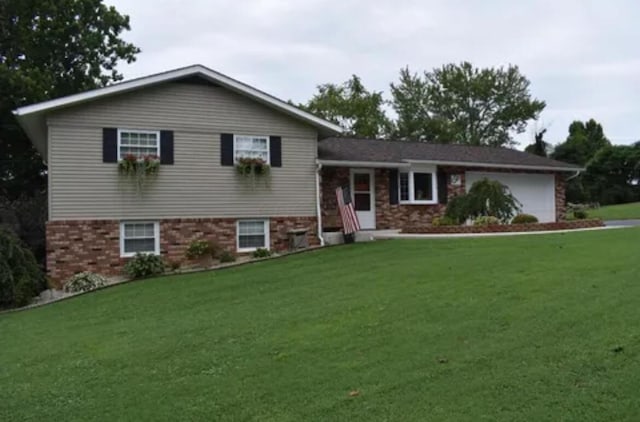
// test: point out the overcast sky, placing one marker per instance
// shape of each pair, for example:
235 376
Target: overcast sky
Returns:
582 57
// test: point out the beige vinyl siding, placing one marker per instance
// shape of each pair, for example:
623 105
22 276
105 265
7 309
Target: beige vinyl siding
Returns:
83 187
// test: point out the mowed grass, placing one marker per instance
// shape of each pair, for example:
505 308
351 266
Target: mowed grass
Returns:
525 328
617 212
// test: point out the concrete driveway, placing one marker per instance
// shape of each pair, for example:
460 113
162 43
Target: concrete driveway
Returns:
622 223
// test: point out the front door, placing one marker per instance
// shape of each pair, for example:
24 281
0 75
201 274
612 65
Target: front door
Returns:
363 191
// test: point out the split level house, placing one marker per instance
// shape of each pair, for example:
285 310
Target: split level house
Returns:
200 124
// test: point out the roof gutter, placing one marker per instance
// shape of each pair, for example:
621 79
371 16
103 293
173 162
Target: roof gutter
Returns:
377 164
487 165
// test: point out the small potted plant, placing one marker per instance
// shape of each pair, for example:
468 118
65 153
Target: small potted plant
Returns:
202 251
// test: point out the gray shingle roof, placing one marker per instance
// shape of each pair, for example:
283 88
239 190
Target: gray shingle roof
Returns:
376 150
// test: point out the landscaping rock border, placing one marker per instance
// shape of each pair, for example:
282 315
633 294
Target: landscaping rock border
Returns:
507 228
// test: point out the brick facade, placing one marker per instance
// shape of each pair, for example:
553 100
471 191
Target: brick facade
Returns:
330 179
561 200
75 246
94 245
401 216
390 216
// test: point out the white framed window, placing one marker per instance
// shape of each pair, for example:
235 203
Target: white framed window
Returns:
418 186
252 234
245 146
139 237
138 143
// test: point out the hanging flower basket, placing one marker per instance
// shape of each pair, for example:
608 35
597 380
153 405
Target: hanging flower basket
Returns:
252 167
139 169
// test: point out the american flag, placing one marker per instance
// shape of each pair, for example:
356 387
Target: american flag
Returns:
350 221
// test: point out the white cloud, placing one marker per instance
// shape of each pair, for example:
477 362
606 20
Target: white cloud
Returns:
580 55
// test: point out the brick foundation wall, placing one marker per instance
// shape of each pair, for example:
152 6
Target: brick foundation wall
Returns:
76 246
94 245
403 216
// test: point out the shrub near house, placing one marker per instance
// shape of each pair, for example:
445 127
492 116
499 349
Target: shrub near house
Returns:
486 198
144 265
20 277
524 219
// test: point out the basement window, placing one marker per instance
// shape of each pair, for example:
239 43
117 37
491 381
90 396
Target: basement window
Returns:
252 234
139 237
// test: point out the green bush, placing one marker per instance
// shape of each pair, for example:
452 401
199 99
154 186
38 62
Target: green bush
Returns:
485 198
144 265
261 253
580 214
524 219
443 221
21 279
486 220
226 256
201 248
458 209
83 282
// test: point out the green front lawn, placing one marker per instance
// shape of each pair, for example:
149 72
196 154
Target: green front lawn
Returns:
617 212
524 328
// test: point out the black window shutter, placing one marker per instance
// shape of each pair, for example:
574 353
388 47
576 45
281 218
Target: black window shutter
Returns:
393 186
226 149
166 147
275 151
442 188
109 145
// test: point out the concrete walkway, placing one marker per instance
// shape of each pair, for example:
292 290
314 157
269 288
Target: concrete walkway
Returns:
382 236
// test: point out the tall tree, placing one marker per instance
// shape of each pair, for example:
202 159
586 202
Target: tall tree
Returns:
359 111
48 49
539 146
584 140
409 101
464 104
613 173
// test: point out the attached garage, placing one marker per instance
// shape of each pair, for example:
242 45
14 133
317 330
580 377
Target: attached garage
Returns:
536 192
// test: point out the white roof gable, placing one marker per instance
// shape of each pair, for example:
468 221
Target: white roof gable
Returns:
32 118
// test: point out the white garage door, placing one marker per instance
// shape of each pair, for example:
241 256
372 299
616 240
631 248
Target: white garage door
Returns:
536 192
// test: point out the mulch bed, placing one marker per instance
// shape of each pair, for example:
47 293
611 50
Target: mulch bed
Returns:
507 228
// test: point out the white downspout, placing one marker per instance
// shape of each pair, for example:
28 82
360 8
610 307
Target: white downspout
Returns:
318 205
575 175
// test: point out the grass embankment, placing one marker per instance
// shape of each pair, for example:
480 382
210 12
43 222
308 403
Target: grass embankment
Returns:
524 328
617 212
